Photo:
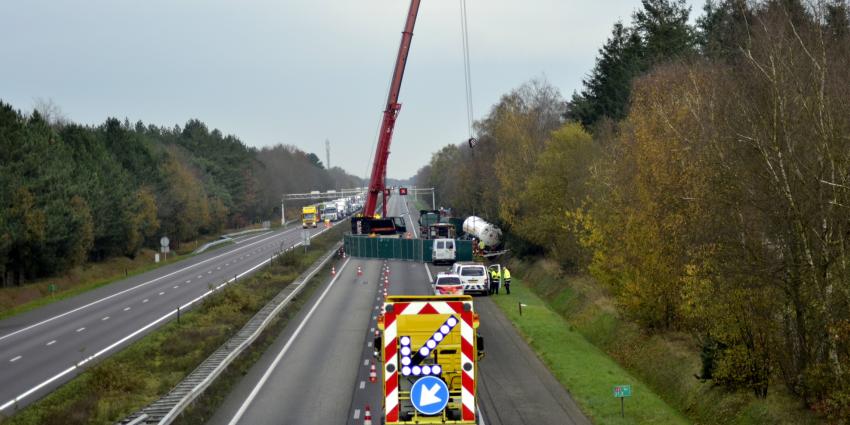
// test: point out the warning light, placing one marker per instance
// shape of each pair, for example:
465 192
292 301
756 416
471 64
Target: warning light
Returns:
405 371
426 370
436 369
402 191
417 370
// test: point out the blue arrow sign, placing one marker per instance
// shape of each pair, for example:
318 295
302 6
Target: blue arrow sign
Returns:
429 395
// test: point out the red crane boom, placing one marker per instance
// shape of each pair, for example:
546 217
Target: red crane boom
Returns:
377 182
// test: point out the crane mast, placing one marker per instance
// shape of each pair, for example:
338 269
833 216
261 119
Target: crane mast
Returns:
377 181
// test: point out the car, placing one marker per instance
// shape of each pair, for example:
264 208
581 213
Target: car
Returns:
474 277
443 251
447 284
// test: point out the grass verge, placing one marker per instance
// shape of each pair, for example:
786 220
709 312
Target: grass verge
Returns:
666 362
146 370
588 373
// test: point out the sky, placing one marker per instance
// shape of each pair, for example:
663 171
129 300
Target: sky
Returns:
296 72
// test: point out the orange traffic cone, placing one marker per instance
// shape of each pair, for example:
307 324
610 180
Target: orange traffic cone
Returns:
367 416
373 374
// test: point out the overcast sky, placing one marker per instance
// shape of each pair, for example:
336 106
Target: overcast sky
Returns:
295 71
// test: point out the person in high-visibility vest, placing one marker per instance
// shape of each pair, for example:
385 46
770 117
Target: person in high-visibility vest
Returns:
494 281
506 274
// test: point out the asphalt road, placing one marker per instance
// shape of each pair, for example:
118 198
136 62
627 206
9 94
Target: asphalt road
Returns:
46 347
317 371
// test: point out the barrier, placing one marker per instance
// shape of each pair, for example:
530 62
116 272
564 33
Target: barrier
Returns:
399 248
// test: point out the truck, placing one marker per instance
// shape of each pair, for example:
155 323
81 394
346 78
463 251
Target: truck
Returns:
426 219
329 212
429 349
309 217
480 229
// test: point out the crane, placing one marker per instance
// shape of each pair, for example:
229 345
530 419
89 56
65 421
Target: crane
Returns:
369 223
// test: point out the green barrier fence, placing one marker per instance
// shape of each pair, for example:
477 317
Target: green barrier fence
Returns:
400 249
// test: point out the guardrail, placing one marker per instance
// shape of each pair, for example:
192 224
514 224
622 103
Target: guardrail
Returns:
168 408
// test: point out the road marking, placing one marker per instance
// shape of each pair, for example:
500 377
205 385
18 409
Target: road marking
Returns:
356 414
81 329
176 286
218 268
162 293
104 319
369 344
126 308
372 330
188 281
374 317
362 384
366 362
50 343
81 363
209 272
15 359
137 287
144 301
200 276
226 264
273 365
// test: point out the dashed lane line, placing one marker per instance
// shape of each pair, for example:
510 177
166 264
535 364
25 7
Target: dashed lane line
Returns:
49 343
14 359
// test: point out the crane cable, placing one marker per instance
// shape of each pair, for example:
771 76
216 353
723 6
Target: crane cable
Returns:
467 72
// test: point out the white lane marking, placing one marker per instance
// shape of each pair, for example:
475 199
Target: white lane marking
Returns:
218 268
70 369
138 286
372 330
200 276
162 293
226 264
415 233
50 343
104 319
176 286
374 317
81 329
369 344
14 359
126 308
188 281
255 237
480 416
362 384
356 414
209 272
366 362
273 365
144 301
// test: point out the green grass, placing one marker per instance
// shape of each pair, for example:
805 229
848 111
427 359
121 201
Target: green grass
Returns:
665 362
141 373
584 370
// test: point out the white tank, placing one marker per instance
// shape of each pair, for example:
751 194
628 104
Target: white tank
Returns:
484 231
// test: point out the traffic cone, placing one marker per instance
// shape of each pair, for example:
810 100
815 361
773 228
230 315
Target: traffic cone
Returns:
333 270
373 375
367 416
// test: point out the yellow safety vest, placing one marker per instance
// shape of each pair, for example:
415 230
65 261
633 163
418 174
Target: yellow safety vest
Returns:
507 272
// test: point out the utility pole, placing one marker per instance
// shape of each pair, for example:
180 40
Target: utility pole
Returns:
328 153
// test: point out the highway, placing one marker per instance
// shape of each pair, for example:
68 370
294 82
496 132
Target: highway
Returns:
317 370
44 348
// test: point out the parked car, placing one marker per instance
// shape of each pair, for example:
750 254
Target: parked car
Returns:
474 277
443 251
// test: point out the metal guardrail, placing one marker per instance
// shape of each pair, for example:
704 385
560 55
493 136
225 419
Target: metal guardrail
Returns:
168 408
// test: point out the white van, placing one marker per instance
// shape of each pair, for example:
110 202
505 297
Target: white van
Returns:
443 251
474 277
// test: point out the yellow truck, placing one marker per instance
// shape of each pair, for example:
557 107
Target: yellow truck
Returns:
309 217
429 350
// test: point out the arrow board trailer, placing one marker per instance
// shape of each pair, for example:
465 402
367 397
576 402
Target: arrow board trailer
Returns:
429 351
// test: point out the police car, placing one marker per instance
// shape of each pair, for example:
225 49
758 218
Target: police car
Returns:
473 276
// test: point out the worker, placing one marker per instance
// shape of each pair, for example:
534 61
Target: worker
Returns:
494 282
481 245
506 274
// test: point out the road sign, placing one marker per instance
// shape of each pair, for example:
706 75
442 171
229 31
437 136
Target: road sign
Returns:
621 391
163 242
429 395
402 191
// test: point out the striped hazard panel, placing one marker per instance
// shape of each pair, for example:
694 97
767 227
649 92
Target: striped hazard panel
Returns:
391 344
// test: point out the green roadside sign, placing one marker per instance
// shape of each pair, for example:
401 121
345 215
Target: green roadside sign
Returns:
621 391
